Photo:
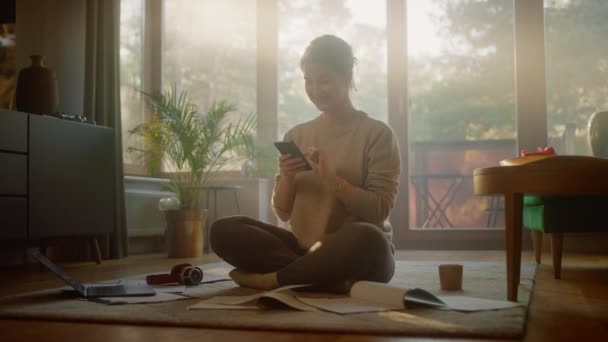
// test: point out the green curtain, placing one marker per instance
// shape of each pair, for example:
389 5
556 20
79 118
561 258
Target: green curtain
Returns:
102 98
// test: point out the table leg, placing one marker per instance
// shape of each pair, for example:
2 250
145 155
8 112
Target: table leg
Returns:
537 239
513 231
95 249
208 222
556 251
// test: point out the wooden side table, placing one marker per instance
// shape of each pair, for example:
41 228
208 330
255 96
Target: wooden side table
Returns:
550 175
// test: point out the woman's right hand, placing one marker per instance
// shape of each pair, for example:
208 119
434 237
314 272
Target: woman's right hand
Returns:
289 166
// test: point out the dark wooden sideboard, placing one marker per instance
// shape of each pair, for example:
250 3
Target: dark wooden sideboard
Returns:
56 178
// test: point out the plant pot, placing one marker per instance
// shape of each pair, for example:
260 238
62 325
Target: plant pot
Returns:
185 233
598 134
36 88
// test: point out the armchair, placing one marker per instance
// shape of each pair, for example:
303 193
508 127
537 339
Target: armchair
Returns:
556 215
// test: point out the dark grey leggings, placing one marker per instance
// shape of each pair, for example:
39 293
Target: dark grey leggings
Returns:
357 251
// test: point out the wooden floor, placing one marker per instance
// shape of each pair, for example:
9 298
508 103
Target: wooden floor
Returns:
574 308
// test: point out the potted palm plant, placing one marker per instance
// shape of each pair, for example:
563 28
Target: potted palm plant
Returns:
191 147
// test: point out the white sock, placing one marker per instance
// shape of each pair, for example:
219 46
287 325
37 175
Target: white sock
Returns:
260 281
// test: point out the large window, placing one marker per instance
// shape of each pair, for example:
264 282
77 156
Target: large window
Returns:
459 77
361 23
462 107
576 35
198 50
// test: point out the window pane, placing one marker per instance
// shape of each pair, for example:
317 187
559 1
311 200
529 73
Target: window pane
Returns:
576 36
462 107
131 63
8 65
361 23
209 50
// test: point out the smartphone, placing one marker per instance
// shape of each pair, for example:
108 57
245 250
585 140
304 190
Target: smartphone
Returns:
289 147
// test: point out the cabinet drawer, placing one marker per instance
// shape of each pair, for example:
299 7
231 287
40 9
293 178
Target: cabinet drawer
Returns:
13 218
13 174
72 178
13 131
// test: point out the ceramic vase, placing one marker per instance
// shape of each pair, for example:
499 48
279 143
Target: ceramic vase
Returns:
37 88
598 134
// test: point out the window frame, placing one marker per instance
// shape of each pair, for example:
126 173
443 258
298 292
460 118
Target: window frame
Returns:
151 69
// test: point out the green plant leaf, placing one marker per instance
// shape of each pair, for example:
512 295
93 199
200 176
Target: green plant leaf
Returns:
190 146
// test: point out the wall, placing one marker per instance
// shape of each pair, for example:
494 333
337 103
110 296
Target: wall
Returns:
56 30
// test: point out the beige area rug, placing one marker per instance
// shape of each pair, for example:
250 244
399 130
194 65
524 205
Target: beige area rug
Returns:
481 279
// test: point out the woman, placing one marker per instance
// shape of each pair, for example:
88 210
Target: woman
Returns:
336 211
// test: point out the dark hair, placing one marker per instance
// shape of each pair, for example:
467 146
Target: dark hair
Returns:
332 52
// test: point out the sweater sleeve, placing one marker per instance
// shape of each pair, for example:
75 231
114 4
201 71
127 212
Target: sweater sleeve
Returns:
282 215
375 200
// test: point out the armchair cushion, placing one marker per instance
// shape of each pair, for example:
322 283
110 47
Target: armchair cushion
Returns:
559 214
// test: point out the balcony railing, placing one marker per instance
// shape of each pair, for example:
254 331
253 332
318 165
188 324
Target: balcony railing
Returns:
441 183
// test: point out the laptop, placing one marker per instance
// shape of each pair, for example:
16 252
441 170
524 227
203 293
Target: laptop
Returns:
89 291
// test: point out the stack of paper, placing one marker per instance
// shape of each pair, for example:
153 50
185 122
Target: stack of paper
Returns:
364 296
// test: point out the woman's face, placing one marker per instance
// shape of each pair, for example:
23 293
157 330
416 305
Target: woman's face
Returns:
326 88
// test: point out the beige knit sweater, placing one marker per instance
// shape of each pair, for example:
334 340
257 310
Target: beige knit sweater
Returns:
365 153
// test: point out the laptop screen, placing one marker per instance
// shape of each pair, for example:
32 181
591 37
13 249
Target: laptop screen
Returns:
58 271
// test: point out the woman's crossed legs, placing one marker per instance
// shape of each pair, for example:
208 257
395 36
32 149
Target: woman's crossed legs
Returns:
267 256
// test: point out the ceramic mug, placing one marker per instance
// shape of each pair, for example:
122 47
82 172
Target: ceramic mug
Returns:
450 277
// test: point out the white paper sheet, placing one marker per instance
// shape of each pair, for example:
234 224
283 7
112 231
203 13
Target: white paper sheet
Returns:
368 296
364 297
217 271
289 299
283 295
159 297
172 288
231 300
213 306
377 293
212 272
347 305
461 303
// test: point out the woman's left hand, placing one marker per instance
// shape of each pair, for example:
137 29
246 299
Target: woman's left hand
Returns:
321 164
